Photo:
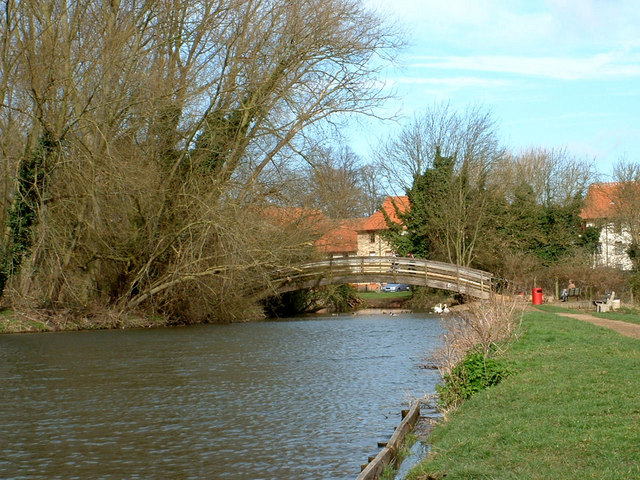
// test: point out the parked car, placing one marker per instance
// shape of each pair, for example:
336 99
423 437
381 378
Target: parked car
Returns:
395 287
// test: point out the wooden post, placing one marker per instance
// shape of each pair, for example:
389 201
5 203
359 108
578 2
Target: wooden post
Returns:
426 273
388 453
331 270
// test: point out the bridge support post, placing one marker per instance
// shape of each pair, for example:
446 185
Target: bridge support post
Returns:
426 274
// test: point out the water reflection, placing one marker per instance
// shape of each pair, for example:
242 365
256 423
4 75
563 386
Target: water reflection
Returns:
274 400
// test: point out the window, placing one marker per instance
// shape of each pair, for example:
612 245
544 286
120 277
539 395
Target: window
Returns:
618 249
372 237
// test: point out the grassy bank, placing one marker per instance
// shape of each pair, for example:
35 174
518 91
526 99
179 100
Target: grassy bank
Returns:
570 411
383 295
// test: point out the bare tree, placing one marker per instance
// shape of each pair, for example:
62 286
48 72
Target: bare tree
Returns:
167 121
373 194
469 137
333 183
444 160
625 202
13 121
556 177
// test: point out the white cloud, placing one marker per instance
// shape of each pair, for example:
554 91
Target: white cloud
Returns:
444 88
609 65
555 72
457 82
597 22
517 26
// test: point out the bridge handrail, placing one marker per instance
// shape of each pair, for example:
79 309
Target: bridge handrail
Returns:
429 272
357 261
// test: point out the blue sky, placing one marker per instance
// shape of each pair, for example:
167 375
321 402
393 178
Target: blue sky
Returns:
554 74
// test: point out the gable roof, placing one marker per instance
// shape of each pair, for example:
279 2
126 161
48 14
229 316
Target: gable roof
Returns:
296 217
343 238
600 201
377 221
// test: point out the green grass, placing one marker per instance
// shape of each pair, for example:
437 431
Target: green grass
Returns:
571 411
12 323
555 308
379 295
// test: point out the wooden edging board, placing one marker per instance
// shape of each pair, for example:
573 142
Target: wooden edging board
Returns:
389 452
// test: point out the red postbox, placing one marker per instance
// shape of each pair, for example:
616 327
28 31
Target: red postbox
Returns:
536 296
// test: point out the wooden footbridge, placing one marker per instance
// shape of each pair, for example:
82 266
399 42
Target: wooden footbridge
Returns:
411 271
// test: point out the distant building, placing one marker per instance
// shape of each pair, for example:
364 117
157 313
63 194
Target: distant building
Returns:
362 236
341 240
599 211
370 240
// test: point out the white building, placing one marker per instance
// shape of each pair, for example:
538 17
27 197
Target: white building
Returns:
614 241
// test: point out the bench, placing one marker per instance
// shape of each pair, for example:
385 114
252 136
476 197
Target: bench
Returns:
571 292
606 303
574 292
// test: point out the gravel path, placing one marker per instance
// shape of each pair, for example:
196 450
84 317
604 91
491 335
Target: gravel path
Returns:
628 329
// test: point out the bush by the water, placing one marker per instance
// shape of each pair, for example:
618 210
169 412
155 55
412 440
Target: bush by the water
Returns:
474 373
485 326
473 339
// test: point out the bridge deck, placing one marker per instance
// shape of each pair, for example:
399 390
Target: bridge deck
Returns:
412 271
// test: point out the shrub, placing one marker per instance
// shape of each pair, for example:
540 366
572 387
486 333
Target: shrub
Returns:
340 298
487 326
472 337
474 373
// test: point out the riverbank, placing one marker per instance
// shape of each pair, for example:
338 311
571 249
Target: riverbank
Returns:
32 320
40 321
569 411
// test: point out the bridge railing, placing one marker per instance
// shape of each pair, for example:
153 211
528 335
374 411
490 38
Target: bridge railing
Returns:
397 269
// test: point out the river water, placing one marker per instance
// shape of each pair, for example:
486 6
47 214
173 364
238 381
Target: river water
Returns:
296 399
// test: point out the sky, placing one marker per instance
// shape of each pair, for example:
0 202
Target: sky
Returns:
552 73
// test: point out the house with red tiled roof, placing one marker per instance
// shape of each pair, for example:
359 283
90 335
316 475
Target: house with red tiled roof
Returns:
362 236
342 239
370 240
600 210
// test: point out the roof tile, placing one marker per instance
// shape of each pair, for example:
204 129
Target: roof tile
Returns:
599 203
377 221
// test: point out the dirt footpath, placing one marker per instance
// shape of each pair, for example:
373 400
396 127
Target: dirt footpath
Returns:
628 329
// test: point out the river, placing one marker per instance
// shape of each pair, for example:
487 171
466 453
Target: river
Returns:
292 399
